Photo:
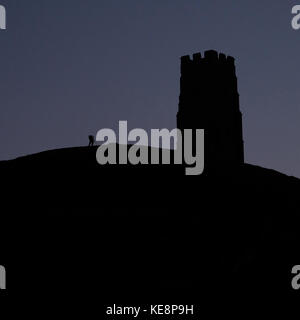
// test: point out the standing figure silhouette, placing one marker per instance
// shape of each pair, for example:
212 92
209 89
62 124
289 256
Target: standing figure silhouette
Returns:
91 141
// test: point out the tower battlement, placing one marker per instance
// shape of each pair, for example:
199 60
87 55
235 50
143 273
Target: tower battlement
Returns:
210 57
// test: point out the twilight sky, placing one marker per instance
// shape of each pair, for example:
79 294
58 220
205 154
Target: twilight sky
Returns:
72 67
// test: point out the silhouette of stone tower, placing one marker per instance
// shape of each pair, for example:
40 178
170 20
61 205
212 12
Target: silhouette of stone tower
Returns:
209 100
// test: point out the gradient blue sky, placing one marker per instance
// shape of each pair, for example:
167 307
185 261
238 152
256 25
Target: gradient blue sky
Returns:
72 67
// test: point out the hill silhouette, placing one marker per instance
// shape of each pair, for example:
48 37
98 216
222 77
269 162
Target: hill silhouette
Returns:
150 228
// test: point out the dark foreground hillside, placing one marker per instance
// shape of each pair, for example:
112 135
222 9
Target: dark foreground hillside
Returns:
144 231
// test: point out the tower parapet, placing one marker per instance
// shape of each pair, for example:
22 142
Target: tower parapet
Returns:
209 56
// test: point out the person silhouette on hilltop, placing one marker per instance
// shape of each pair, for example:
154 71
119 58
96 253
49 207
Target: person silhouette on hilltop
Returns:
91 141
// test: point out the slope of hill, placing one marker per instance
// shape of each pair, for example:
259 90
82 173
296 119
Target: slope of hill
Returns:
144 229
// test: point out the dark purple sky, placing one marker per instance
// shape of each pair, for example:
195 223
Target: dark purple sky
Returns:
72 67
